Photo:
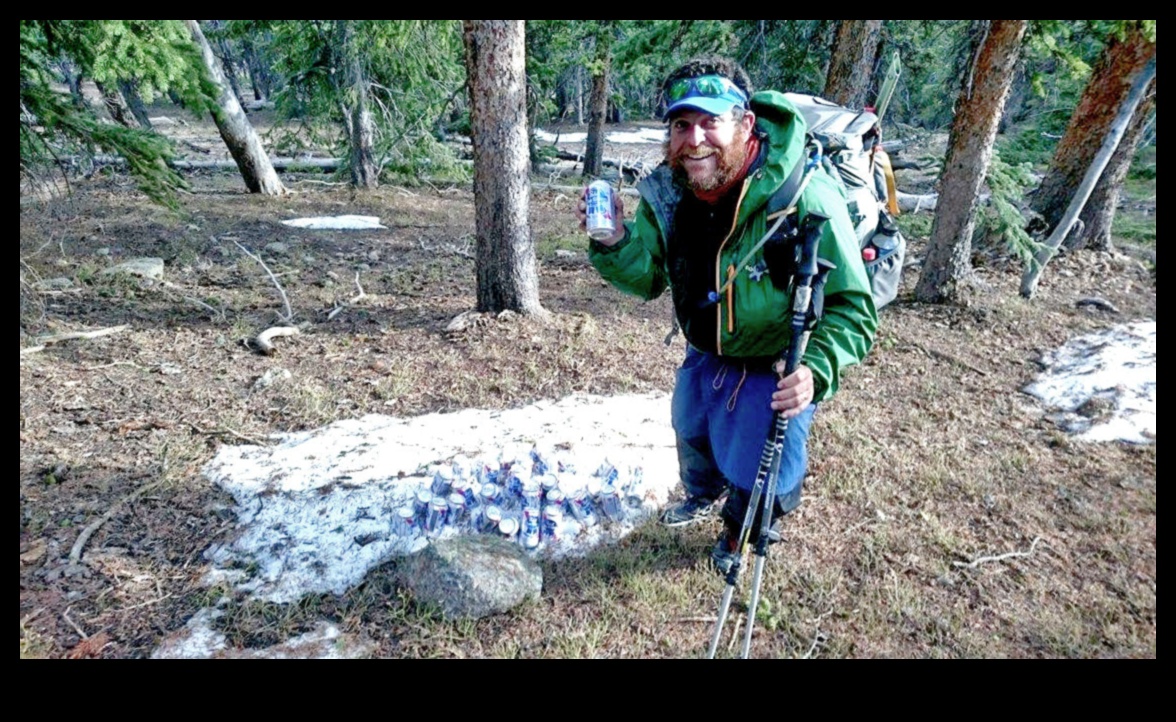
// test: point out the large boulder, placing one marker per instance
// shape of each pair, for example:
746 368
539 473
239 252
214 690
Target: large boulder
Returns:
472 576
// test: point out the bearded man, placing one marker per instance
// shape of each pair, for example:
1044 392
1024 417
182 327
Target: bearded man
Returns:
701 230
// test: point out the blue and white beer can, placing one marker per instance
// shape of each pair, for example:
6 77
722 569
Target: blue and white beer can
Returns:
600 216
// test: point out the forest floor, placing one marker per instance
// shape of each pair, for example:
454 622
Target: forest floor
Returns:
945 514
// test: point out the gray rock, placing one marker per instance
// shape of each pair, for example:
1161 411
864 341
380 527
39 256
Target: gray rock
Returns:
145 267
472 576
277 248
50 284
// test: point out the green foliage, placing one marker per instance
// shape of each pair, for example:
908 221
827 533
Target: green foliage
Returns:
414 71
1002 217
1031 143
155 54
935 55
915 225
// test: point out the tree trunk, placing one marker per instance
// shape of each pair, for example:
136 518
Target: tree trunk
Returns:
130 92
948 264
496 76
360 130
1099 214
1110 144
228 62
852 62
242 141
598 105
257 78
579 91
1110 82
117 106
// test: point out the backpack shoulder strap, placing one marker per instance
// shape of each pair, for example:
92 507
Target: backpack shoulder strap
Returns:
785 198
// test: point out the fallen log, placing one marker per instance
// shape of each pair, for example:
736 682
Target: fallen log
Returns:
326 165
912 203
636 167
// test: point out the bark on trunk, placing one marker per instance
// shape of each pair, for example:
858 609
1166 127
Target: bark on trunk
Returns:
1099 214
978 110
496 76
242 141
852 62
360 132
594 146
117 106
130 93
1110 82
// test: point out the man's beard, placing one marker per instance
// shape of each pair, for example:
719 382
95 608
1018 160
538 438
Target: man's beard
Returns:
731 162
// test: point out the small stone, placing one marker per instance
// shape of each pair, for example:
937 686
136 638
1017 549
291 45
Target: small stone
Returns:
50 284
146 267
277 248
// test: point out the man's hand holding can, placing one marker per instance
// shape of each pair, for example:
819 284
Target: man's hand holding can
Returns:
601 213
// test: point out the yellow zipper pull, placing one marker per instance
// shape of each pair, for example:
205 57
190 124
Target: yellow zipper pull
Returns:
731 299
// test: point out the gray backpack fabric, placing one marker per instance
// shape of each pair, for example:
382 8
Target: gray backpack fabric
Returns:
848 138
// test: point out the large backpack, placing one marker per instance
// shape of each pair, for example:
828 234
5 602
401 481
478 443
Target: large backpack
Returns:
851 151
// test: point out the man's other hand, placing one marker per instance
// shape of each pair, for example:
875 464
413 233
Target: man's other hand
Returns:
793 393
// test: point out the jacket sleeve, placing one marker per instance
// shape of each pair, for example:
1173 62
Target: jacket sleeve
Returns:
846 330
636 264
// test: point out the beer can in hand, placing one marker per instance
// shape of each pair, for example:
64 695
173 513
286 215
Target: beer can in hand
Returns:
601 220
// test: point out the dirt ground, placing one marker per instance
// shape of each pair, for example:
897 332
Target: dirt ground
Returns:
929 459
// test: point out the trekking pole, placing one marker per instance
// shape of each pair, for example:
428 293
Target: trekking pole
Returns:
809 277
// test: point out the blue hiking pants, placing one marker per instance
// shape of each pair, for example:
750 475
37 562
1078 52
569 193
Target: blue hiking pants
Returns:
721 414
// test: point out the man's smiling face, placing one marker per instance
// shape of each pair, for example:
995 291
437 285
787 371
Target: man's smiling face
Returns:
706 150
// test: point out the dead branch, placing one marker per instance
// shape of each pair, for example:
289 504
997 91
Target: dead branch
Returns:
289 313
999 557
75 553
350 302
818 641
1096 302
76 627
735 633
263 341
227 430
43 341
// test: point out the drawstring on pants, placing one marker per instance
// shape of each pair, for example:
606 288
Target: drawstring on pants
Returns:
721 378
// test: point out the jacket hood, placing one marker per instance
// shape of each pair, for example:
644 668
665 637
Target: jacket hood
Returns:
781 124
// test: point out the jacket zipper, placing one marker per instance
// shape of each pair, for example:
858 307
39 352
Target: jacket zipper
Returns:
719 281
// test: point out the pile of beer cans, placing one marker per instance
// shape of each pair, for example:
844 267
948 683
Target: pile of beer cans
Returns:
533 498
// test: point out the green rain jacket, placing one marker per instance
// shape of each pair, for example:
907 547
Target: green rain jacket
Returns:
752 316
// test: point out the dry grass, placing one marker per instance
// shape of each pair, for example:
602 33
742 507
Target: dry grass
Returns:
928 460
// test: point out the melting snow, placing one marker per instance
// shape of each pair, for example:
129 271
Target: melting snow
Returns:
644 135
1114 370
345 223
316 509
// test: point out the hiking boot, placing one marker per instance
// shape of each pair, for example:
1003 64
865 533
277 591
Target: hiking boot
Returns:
724 554
694 508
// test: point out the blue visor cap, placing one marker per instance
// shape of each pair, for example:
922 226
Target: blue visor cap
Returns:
712 94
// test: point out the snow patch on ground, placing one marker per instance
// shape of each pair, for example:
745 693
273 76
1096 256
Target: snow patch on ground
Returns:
315 511
343 223
199 640
644 135
1103 385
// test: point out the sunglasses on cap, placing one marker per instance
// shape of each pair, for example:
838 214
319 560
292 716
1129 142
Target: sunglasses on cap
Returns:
705 86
